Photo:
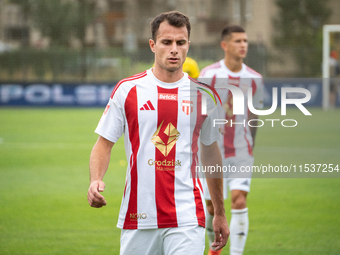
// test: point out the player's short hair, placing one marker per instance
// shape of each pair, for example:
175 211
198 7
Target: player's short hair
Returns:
174 18
228 30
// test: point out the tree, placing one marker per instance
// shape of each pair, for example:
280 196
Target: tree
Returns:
299 29
56 19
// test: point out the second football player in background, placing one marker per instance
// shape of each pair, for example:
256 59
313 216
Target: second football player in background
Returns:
238 138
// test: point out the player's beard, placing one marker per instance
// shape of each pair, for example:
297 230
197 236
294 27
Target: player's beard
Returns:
171 68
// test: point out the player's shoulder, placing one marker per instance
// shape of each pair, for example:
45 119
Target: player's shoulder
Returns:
199 84
133 78
203 87
128 81
252 72
210 68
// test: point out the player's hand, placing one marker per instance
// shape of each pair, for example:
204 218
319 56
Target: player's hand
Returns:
221 229
94 197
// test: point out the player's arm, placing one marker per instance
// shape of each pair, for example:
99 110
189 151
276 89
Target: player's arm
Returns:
99 162
253 127
211 156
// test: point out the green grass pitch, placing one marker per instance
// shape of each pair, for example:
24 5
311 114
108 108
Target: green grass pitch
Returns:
44 156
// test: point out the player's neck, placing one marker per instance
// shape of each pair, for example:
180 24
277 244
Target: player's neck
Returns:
233 65
166 76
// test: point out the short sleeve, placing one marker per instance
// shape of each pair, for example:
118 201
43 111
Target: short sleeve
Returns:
112 122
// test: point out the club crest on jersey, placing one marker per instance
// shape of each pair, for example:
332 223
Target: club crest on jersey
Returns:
187 106
166 140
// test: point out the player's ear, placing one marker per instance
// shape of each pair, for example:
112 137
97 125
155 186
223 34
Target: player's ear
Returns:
152 45
224 45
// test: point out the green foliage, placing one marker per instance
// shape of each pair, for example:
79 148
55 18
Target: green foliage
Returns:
40 62
58 20
62 64
299 29
55 19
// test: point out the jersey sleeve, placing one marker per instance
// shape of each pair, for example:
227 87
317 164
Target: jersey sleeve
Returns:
209 132
259 93
217 83
205 78
112 122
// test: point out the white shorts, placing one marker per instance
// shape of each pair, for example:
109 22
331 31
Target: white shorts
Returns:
233 180
187 240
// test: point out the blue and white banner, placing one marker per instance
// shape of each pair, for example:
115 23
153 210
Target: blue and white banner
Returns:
314 86
90 95
43 94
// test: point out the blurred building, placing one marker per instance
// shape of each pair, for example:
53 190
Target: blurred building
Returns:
12 26
126 23
121 22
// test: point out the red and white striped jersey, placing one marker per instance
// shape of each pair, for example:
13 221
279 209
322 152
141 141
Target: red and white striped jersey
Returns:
237 140
162 124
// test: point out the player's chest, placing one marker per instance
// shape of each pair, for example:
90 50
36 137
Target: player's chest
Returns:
242 83
159 104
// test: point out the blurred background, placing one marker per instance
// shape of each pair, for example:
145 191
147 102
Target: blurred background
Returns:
107 40
72 53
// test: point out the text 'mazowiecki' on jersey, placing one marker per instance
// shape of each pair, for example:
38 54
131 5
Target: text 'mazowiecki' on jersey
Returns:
162 124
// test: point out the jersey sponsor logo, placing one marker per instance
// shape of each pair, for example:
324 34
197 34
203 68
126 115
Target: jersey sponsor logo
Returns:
147 106
170 136
138 216
234 81
187 106
166 165
165 162
164 96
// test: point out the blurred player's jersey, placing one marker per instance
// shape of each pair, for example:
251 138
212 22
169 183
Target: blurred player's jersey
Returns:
190 67
161 123
237 140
